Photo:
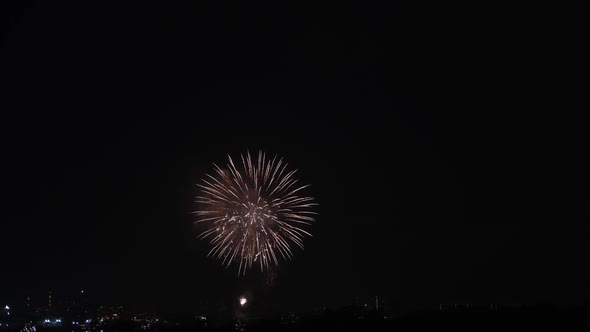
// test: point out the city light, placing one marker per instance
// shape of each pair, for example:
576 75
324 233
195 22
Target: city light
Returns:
7 307
243 301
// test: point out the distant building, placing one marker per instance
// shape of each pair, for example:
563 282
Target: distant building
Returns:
110 313
6 311
77 307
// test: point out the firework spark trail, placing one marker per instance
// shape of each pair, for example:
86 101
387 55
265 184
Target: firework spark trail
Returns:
253 212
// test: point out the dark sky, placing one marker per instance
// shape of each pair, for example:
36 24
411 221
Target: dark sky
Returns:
442 143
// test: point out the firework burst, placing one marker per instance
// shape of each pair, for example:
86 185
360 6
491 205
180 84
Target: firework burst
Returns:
254 211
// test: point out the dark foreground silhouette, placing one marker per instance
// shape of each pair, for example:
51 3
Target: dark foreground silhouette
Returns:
527 319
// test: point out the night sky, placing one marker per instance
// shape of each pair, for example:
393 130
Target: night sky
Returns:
443 145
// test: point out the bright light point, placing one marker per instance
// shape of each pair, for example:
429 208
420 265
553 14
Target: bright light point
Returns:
7 307
243 301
